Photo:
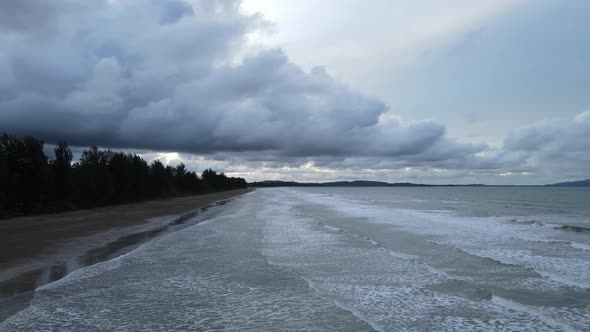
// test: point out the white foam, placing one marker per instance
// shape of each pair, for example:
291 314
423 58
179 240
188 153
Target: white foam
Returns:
388 294
359 315
348 308
565 280
511 305
335 229
102 267
400 255
207 277
388 290
568 271
373 242
91 271
580 246
488 237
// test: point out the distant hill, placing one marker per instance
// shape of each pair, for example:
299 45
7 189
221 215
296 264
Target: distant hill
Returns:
581 183
362 183
357 183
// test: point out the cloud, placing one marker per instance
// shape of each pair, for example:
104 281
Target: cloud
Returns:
172 76
558 146
161 75
17 16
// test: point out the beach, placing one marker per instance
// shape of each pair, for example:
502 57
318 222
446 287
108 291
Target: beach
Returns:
343 259
36 250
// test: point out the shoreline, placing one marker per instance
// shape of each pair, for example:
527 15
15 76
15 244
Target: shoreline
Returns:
37 250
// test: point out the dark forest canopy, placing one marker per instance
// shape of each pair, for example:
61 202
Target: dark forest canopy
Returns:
31 182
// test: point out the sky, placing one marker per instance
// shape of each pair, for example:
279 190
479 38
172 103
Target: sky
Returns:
492 92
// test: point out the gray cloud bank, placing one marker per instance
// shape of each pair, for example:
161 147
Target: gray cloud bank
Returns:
558 147
162 75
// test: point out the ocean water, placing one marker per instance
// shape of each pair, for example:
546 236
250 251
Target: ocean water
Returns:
346 259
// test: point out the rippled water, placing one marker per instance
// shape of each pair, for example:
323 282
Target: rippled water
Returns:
346 259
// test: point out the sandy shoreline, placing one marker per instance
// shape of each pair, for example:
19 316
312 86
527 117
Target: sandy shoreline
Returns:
39 249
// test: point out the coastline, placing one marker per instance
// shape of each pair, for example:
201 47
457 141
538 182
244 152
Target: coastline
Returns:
37 250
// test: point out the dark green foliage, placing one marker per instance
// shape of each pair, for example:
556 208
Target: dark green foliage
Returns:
30 183
61 167
24 173
219 181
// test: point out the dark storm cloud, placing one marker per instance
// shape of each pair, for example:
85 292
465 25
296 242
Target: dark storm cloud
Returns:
158 75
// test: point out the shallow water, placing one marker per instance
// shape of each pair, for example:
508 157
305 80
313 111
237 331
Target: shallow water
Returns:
17 284
351 259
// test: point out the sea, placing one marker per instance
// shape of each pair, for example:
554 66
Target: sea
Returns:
345 259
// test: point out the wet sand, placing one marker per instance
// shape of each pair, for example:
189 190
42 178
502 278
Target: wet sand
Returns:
37 250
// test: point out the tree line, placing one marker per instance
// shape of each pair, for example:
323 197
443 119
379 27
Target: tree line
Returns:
32 183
